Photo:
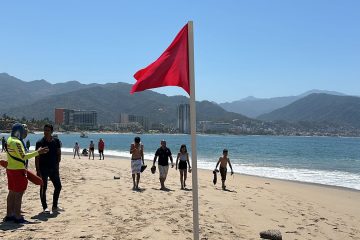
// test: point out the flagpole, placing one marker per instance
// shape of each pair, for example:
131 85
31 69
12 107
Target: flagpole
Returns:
193 132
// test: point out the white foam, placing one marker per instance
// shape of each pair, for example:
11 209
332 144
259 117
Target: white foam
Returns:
332 178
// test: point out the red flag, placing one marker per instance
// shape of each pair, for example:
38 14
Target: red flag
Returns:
170 69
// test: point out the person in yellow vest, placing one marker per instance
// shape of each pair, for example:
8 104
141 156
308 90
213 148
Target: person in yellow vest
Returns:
16 172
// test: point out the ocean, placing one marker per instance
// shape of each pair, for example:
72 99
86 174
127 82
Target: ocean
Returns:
333 161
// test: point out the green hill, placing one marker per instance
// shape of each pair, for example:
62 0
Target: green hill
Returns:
109 100
341 110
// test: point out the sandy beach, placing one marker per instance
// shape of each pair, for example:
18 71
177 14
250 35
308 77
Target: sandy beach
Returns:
97 206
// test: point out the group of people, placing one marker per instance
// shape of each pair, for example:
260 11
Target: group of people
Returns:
47 158
163 155
90 152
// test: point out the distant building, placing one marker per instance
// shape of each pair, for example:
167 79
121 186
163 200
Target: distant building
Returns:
76 118
129 118
183 118
217 127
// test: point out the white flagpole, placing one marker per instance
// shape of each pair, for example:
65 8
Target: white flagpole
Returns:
193 132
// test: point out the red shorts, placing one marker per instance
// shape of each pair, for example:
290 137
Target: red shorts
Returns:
17 181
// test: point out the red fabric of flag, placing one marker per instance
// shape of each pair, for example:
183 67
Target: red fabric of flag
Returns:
170 69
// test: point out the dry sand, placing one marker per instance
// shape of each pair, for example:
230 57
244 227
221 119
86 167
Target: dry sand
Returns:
97 206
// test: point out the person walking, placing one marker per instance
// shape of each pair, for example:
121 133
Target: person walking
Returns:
223 161
101 147
16 172
137 161
183 156
47 167
163 153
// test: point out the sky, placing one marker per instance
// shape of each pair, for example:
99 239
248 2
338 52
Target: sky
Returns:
242 48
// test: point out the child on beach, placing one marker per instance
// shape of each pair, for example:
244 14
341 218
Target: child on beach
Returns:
223 161
183 156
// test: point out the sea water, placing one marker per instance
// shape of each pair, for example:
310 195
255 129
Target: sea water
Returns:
331 161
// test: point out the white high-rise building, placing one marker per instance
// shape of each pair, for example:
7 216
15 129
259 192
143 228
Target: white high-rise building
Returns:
183 122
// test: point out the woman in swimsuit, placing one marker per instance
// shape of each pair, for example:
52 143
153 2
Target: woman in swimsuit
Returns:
183 158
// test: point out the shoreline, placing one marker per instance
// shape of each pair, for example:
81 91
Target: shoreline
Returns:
198 134
120 158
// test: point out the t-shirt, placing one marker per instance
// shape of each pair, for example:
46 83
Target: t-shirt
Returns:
101 145
163 155
50 159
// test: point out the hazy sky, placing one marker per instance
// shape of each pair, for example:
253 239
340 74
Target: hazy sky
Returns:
259 48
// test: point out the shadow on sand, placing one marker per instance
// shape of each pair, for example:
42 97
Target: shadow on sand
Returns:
8 226
45 216
228 190
139 190
164 189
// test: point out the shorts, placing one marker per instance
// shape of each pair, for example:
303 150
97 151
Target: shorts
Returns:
17 181
163 170
136 166
223 172
101 151
182 165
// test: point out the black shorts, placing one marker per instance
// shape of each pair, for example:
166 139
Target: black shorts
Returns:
223 172
182 165
101 151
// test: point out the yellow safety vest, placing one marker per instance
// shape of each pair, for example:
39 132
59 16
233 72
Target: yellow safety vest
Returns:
16 149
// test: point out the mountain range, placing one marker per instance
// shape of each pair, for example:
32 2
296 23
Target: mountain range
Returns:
253 107
38 99
320 107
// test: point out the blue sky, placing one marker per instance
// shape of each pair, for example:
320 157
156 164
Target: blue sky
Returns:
242 48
